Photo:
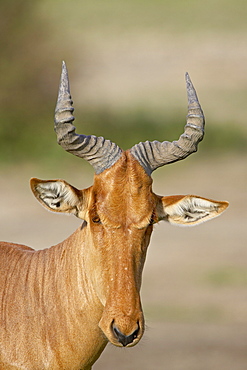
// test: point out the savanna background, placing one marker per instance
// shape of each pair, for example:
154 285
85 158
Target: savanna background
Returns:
126 61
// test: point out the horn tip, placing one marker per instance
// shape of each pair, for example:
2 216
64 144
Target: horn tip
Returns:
64 81
187 77
191 92
64 68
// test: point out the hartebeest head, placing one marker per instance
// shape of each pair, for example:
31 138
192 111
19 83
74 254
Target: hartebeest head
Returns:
119 209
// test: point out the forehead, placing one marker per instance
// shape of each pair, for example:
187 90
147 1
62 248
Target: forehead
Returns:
124 192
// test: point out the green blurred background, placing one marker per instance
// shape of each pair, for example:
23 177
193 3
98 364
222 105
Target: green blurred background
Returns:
126 61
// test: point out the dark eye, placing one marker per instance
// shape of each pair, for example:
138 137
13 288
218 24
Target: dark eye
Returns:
96 220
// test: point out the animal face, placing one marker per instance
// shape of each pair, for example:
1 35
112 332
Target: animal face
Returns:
119 210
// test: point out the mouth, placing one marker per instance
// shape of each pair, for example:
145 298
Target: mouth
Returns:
123 331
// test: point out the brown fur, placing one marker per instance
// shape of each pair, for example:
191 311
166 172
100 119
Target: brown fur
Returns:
58 305
52 300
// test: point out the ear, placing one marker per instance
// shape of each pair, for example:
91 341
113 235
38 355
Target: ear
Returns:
188 210
58 196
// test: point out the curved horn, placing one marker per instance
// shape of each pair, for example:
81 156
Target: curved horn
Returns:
152 155
100 153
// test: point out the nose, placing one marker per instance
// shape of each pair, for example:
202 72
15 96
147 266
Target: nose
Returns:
122 338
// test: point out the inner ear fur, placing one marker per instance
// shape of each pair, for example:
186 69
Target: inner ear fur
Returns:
58 196
190 210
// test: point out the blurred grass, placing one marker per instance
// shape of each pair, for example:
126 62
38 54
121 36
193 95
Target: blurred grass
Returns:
35 140
188 314
177 16
36 36
228 276
223 280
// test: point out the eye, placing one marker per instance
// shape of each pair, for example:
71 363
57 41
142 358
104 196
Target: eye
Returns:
96 220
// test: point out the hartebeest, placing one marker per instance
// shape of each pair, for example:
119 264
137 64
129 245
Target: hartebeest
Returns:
60 306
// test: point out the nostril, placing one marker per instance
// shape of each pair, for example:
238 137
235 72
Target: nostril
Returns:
135 333
122 338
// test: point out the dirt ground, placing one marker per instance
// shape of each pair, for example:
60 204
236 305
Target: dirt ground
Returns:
194 290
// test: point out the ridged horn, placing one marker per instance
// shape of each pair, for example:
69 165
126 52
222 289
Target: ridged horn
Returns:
100 153
152 155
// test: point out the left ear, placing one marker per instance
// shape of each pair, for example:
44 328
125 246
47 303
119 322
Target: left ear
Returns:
58 196
190 210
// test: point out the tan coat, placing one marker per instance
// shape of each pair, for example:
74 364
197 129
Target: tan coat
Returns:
60 306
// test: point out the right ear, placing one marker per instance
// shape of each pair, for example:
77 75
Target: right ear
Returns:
58 196
188 210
